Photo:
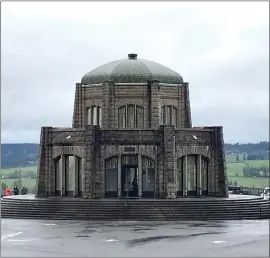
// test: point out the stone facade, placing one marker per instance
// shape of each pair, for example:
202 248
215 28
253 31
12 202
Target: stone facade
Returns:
180 160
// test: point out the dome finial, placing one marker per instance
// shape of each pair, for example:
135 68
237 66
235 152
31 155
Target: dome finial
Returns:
132 56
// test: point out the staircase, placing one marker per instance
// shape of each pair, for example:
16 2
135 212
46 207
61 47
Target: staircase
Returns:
139 210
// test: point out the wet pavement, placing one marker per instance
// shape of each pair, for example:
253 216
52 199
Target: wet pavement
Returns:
40 238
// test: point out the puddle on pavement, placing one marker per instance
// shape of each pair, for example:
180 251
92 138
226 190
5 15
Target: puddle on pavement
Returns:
146 240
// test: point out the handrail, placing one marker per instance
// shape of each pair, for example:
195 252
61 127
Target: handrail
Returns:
127 194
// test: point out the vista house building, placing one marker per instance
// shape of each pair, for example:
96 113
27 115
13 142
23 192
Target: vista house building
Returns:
132 135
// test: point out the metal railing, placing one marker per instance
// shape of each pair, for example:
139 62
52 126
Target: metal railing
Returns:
128 186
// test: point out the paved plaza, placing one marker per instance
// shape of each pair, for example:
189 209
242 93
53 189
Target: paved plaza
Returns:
40 238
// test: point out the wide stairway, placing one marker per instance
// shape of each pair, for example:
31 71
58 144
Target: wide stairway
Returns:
162 210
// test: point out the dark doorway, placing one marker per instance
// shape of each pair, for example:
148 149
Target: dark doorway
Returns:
129 181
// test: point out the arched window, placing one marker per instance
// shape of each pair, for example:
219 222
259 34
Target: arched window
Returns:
130 116
94 115
168 115
189 168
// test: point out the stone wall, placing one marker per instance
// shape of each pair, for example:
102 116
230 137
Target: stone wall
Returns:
151 96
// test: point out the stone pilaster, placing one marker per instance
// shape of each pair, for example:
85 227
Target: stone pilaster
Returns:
97 160
185 178
199 175
79 111
63 174
109 105
154 104
119 175
89 162
220 163
76 175
140 181
45 178
58 177
169 160
188 122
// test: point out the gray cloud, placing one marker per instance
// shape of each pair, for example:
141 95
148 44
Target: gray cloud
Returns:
221 49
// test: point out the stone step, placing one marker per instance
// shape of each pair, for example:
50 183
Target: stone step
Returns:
136 210
140 217
4 201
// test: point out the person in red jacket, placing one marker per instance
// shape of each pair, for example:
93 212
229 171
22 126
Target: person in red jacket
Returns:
8 191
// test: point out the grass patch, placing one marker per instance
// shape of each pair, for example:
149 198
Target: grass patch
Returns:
6 171
250 182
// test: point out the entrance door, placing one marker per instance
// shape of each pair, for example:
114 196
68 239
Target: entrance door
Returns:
129 181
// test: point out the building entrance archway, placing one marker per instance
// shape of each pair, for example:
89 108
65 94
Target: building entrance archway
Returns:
68 175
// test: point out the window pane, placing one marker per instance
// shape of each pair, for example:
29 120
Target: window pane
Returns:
139 117
174 115
111 175
180 174
129 160
89 116
168 115
99 116
94 115
130 116
204 171
162 116
191 173
122 117
148 175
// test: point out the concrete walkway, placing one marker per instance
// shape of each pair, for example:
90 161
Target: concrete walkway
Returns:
41 238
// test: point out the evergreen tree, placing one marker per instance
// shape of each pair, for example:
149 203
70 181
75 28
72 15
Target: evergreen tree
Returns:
237 158
245 172
244 156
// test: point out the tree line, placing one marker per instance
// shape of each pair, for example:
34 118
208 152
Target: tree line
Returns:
257 172
19 174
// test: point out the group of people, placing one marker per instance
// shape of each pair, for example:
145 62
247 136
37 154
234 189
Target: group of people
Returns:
16 191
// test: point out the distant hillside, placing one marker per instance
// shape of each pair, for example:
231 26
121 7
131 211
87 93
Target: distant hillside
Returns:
19 155
26 154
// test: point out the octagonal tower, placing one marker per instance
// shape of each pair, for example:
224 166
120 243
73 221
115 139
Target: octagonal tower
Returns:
132 136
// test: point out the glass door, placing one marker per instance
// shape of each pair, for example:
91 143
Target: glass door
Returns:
129 181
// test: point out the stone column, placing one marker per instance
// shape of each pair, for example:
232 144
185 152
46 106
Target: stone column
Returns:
119 175
58 177
76 175
199 175
63 174
80 192
109 105
140 181
79 107
89 164
169 160
185 170
154 104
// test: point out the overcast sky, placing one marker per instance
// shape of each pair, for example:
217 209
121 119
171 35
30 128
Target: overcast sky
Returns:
221 49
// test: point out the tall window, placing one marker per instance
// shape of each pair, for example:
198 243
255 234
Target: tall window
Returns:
191 171
168 115
94 115
111 177
180 175
204 171
148 177
130 116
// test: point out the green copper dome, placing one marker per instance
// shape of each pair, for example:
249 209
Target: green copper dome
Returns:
132 70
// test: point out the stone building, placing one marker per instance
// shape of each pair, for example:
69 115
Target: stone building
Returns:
132 121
